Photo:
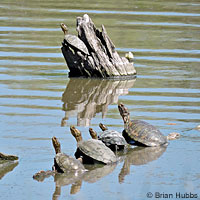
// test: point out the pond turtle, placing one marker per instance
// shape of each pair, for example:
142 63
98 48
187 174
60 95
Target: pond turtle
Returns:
92 151
111 138
73 41
139 132
63 162
129 56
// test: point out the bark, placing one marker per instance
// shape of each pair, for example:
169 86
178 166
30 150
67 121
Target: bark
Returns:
7 157
102 61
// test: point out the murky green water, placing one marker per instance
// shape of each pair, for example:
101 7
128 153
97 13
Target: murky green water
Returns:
38 100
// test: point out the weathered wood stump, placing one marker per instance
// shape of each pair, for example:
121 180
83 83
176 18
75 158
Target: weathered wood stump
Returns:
4 156
102 60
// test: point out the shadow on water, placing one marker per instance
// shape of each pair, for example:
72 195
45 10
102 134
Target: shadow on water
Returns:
140 156
87 97
6 167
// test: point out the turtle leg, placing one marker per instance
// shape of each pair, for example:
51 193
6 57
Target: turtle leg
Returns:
82 157
127 138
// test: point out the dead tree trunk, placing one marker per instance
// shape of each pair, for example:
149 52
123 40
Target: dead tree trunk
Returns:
4 156
102 59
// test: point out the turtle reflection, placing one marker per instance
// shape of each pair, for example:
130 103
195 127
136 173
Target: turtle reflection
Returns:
86 97
63 179
94 174
140 156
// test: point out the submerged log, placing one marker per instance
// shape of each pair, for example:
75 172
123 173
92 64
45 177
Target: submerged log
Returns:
99 58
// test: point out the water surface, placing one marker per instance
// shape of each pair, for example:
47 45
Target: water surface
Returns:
38 100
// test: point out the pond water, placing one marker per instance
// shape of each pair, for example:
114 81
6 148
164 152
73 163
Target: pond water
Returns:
38 100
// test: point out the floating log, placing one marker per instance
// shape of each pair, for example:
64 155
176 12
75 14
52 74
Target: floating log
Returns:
99 58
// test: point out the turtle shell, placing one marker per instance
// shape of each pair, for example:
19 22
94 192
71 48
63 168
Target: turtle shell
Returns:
76 43
144 133
111 137
65 163
96 150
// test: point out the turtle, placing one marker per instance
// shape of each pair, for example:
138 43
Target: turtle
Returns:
92 151
73 41
129 56
141 133
63 162
111 138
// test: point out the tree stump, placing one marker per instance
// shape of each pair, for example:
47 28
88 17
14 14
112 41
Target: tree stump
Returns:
102 59
4 156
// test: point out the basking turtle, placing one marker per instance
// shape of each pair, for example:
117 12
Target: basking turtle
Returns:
63 162
111 138
139 132
73 41
129 56
92 151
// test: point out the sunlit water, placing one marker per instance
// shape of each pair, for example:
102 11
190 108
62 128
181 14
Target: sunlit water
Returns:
38 100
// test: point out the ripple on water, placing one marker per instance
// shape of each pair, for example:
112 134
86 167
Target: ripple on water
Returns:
37 98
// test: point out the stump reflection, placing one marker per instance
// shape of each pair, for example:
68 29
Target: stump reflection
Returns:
87 97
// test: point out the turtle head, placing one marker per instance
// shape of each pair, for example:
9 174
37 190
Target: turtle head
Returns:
76 133
56 145
124 113
103 127
64 28
93 133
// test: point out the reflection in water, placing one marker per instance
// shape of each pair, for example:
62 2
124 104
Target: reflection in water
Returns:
136 156
165 38
74 179
61 179
140 156
86 97
41 175
6 166
94 174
